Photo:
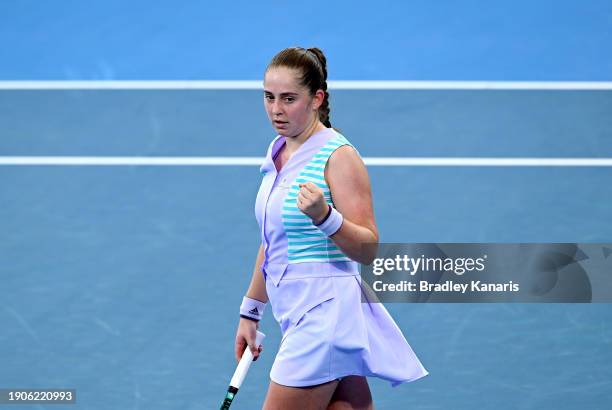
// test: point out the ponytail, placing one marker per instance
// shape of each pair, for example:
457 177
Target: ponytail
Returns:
324 108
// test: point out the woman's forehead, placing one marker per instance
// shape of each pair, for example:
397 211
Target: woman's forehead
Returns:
282 80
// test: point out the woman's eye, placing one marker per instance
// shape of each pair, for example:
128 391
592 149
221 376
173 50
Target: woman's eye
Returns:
286 99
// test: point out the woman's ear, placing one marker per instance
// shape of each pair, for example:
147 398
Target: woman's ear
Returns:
317 99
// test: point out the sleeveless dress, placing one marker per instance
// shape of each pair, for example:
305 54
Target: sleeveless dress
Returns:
315 290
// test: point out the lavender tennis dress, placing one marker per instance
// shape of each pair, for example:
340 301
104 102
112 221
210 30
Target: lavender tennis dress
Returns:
315 290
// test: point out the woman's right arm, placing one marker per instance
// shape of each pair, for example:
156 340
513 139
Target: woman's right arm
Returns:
245 335
257 288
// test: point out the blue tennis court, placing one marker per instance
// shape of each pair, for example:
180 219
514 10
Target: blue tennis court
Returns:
123 282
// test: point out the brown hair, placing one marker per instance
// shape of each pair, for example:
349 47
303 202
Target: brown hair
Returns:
311 62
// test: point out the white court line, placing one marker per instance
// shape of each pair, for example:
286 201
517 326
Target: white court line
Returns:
337 85
256 161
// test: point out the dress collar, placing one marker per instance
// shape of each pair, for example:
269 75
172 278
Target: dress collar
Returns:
318 139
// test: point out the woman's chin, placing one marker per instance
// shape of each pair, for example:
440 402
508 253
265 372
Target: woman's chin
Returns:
283 131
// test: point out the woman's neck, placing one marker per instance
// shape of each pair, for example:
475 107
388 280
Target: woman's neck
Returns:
293 143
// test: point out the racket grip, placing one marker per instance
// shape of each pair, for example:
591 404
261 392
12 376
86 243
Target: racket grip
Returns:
245 362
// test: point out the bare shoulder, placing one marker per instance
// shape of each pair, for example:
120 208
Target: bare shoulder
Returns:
345 158
346 172
349 184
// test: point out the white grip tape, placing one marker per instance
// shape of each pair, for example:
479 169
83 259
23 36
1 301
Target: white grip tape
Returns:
245 362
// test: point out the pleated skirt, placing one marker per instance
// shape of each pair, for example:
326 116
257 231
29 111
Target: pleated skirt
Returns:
328 333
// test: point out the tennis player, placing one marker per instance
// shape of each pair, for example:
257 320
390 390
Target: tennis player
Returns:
314 209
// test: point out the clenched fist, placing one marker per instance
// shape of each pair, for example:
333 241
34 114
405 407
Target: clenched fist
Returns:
310 200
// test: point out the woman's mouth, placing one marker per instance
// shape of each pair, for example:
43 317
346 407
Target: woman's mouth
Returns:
280 123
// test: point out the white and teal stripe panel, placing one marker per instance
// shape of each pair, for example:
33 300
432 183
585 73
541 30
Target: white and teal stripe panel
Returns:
306 243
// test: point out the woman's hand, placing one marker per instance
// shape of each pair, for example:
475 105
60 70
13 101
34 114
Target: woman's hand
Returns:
245 336
311 201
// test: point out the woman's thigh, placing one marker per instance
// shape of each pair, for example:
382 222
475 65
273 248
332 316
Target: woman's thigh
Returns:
317 397
352 393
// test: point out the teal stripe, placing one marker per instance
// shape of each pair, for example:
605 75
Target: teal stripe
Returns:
312 249
325 188
305 238
306 260
309 231
311 175
301 229
316 183
319 242
298 223
329 255
296 216
303 234
308 167
292 194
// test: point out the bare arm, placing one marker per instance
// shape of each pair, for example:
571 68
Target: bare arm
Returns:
349 184
245 335
257 288
348 181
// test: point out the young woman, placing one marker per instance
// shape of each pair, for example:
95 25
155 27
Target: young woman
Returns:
314 209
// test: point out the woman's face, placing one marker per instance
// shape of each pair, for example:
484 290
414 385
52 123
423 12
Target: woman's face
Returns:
290 107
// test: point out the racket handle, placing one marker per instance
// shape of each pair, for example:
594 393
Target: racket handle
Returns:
229 397
245 362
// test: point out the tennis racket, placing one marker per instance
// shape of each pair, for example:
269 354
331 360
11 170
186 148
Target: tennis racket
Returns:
241 372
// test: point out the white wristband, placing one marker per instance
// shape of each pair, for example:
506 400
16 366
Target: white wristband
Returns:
252 308
333 222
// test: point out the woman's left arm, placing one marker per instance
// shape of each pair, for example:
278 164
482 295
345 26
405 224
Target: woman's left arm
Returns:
349 184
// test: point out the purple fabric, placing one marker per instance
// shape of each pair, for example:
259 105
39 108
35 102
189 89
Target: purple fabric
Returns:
328 332
269 202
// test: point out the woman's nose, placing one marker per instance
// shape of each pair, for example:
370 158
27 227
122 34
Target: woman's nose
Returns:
276 108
